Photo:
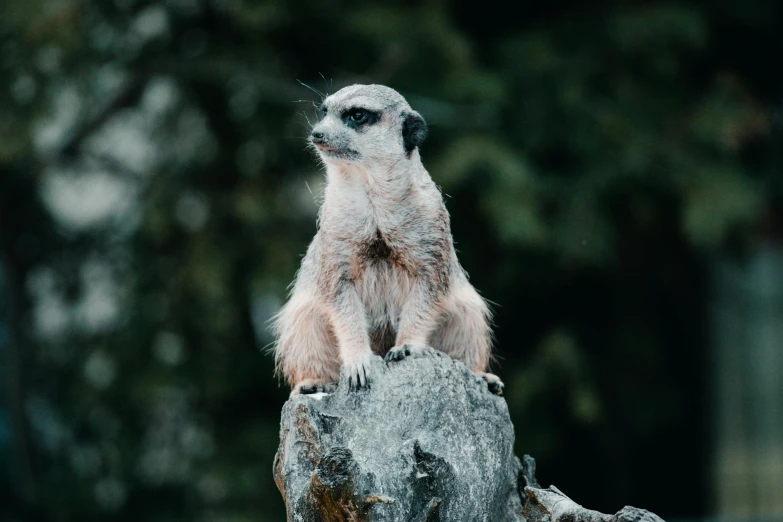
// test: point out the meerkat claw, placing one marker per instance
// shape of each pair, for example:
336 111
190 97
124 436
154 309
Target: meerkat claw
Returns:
358 378
311 387
317 388
398 354
496 387
357 382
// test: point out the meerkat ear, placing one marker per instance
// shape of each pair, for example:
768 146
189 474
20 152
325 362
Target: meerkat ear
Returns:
414 130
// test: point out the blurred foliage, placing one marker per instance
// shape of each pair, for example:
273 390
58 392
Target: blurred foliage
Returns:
156 197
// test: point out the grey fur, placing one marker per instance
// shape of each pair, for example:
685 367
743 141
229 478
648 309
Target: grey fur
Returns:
381 275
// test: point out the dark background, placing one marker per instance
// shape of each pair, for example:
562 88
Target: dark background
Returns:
156 195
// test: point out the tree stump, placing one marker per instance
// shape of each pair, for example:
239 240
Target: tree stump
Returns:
426 442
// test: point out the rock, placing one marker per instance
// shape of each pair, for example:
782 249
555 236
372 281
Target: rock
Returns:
426 442
552 505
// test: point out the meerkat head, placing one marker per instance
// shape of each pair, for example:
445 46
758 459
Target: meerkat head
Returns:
367 124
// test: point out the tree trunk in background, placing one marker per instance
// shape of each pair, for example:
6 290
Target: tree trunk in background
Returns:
747 322
427 442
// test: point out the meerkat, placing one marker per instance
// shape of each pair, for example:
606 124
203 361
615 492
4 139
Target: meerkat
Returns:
381 275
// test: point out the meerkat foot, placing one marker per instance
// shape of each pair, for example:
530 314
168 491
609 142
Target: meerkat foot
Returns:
398 353
310 386
358 372
494 383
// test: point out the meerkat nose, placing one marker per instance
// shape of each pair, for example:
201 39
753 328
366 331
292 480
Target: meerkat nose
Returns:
317 137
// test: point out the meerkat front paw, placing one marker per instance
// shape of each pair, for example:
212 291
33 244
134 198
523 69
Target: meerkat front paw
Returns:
494 383
357 369
398 353
310 386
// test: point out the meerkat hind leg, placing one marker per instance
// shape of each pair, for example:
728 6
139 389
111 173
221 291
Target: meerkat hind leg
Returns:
463 333
306 352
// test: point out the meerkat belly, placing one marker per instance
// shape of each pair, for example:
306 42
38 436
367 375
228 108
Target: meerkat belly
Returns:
384 286
383 289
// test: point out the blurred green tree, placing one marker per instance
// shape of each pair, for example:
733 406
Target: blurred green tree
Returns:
156 197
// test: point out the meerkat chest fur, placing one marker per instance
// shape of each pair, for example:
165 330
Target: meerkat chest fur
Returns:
385 225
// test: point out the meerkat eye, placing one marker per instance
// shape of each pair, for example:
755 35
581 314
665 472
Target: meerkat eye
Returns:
358 115
357 119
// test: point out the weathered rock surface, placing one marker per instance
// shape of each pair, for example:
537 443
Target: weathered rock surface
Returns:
427 442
